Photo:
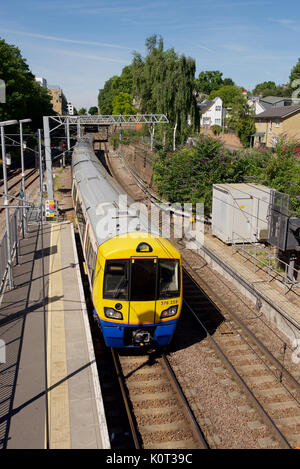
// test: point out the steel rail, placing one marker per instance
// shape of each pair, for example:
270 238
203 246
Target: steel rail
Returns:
263 349
126 400
196 430
249 394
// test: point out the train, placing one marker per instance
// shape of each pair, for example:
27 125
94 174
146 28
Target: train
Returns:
134 273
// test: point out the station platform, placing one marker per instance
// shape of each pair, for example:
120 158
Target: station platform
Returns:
50 395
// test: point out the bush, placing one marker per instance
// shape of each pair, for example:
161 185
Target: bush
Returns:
188 175
216 129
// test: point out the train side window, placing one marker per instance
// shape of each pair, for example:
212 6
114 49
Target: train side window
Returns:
74 193
80 219
91 259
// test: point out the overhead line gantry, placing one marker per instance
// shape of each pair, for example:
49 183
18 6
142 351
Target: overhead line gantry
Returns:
100 120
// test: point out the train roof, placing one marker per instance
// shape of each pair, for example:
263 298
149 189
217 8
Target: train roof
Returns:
110 211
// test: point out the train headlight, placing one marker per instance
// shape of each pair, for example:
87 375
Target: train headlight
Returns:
112 313
169 312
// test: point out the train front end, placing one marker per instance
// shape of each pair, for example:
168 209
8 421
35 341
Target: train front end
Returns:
137 290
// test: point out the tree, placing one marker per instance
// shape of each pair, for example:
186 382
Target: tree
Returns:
163 83
295 72
93 110
82 111
294 86
241 119
209 81
114 86
122 104
227 94
269 88
228 82
24 96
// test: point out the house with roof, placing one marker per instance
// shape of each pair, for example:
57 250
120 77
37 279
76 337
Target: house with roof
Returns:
255 104
277 122
211 112
259 104
275 101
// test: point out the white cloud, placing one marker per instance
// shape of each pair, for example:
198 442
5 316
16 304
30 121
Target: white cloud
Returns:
63 39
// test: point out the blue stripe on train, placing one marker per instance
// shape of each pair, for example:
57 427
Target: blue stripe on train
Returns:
114 332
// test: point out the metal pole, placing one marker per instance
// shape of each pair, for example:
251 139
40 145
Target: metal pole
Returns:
41 165
9 263
23 212
48 157
23 179
151 137
68 135
78 127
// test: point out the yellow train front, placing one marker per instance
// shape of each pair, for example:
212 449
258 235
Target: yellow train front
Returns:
134 274
137 291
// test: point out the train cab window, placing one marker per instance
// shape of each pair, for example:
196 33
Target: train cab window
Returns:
143 280
116 280
168 271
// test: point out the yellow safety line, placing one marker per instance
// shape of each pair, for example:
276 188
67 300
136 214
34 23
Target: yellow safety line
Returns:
58 397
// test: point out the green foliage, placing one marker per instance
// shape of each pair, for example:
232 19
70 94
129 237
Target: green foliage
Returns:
241 119
163 82
93 110
216 129
269 88
114 86
25 98
295 72
82 111
227 94
122 104
188 175
209 81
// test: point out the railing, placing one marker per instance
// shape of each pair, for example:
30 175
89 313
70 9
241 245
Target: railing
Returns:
261 258
15 234
33 215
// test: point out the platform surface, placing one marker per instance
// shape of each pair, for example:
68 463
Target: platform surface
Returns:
50 394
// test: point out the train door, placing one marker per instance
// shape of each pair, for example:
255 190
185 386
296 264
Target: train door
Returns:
143 290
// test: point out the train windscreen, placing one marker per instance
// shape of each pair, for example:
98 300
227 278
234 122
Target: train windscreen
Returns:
116 280
168 275
143 280
150 279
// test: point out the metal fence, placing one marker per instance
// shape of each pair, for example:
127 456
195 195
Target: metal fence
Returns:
32 215
267 261
15 235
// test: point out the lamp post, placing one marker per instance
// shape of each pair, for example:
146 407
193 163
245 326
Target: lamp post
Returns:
9 263
23 121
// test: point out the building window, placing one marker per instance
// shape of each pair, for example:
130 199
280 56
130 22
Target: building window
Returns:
218 121
277 122
218 108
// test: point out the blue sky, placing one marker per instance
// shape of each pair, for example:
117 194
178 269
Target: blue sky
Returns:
80 44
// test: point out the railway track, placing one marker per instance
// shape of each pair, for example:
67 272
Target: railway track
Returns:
256 367
159 414
15 182
241 358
